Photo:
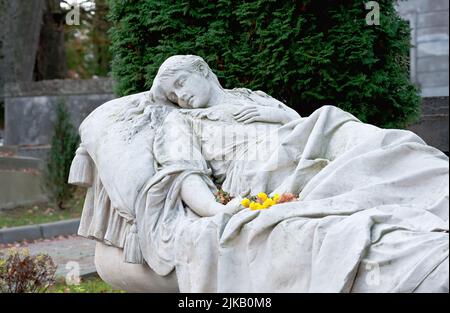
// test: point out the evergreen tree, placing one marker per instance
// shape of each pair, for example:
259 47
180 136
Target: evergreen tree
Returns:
64 144
305 53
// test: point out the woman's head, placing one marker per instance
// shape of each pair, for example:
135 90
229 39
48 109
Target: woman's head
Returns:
185 80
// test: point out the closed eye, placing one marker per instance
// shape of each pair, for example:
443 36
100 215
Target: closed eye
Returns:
180 82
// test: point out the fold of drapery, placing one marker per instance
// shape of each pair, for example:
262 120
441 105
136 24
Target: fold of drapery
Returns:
372 218
100 220
161 215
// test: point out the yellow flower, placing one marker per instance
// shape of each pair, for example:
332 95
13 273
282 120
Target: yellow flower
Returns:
254 206
268 203
276 197
262 196
245 202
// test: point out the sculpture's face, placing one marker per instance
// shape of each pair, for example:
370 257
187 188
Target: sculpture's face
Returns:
188 90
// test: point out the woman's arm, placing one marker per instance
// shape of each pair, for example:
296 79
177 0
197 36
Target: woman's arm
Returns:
197 195
199 198
250 114
265 109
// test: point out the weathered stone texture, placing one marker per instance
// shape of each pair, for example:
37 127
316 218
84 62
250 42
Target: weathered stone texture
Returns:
30 107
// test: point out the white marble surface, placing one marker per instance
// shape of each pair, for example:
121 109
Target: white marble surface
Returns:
366 195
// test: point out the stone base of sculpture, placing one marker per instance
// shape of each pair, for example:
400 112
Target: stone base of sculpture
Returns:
130 277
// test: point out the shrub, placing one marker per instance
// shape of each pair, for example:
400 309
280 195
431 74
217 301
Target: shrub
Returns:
64 144
305 53
20 272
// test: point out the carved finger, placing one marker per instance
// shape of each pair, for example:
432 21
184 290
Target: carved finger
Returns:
247 116
251 120
245 113
245 108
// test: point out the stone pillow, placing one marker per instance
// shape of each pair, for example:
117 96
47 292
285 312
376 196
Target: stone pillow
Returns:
118 137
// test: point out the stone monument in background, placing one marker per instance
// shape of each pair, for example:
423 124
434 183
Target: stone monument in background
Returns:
429 65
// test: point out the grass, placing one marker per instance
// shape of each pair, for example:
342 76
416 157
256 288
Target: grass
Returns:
38 214
87 285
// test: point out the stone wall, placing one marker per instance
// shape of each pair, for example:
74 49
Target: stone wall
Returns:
433 125
30 107
429 37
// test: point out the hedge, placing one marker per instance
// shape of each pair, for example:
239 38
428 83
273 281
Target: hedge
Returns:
304 53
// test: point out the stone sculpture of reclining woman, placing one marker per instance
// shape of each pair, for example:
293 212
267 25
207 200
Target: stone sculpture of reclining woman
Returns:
188 82
364 196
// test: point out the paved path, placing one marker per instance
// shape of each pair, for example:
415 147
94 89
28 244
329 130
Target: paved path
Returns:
64 249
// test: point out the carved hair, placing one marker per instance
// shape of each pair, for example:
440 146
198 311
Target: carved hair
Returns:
188 63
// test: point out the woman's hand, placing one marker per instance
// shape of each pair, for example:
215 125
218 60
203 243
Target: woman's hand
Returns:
249 114
197 195
233 206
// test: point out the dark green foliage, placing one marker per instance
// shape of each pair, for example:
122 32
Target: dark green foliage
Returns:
64 144
305 53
